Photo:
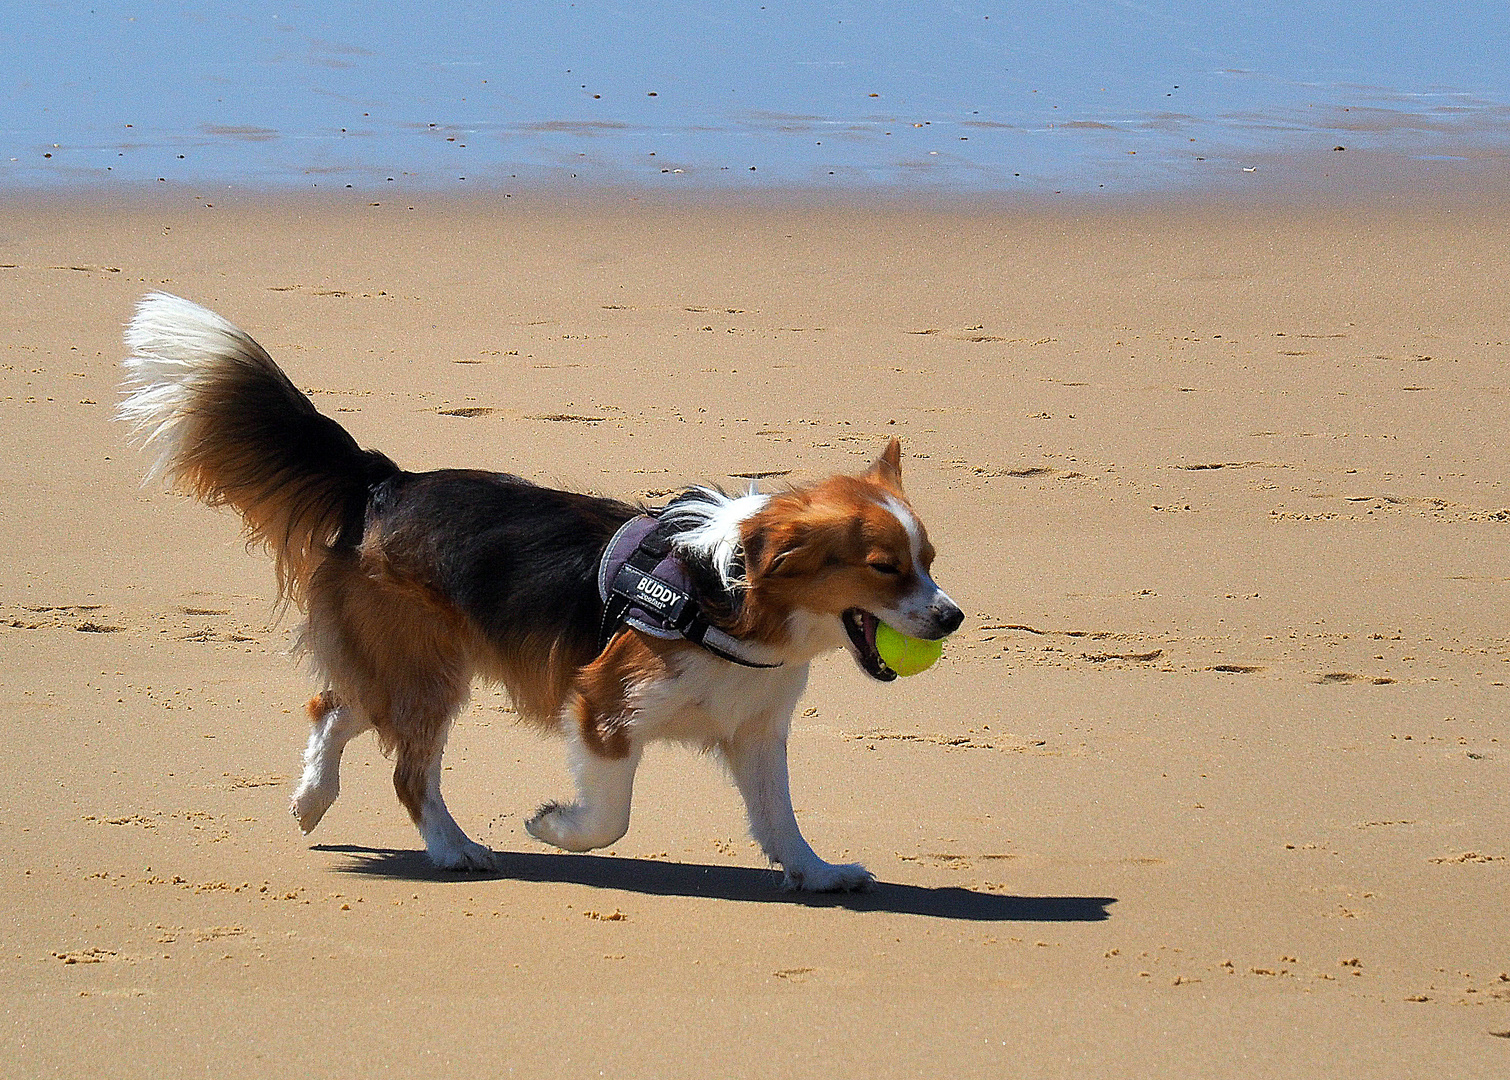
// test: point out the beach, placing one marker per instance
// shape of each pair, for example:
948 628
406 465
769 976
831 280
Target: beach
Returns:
1211 782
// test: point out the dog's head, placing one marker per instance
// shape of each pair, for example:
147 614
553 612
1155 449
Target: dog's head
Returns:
850 547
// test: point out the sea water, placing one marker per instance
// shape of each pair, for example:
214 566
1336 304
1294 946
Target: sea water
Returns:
1072 96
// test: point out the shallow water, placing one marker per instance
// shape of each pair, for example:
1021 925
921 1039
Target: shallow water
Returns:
1079 96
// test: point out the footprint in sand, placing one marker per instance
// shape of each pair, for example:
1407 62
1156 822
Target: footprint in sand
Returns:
1350 677
1140 658
57 616
86 956
1022 473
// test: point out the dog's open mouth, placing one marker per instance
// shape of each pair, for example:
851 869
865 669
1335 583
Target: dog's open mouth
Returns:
861 626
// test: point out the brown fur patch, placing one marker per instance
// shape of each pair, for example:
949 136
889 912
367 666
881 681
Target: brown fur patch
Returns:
320 705
600 695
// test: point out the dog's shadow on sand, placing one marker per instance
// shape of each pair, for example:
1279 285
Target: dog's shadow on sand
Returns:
655 878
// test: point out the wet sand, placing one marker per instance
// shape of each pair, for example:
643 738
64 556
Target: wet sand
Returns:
1211 783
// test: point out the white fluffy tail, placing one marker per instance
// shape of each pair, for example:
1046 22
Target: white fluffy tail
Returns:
226 425
176 345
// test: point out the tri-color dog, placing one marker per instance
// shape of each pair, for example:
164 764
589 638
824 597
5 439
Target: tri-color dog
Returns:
612 623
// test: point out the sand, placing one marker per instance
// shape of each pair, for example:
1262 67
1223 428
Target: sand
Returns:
1212 783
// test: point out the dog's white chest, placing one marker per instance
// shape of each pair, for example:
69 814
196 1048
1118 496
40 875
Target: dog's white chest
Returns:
711 699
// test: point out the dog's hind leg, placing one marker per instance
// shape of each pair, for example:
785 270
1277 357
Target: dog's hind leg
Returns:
402 661
757 759
335 724
416 778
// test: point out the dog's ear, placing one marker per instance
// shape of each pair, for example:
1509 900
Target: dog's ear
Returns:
887 470
798 541
768 550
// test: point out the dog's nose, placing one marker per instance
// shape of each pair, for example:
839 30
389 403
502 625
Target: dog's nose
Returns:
949 617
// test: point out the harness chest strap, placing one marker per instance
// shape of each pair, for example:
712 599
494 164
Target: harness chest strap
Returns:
643 585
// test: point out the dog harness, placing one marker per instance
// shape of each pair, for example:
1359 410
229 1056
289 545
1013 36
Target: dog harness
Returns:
644 584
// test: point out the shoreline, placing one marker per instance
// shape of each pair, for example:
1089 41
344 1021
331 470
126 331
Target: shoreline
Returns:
1323 179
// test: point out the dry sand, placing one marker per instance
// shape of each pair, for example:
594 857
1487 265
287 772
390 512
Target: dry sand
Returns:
1213 782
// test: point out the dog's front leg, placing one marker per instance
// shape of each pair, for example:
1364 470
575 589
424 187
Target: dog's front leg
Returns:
605 787
757 758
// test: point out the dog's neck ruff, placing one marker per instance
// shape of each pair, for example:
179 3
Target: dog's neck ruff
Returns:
644 583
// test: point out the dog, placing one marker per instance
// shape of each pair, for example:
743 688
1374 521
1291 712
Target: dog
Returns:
415 584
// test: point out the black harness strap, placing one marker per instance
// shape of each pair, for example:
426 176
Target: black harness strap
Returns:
631 586
636 586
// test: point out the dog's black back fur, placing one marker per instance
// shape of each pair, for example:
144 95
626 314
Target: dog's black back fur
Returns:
508 553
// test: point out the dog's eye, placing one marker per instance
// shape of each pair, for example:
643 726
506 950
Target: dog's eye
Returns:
887 568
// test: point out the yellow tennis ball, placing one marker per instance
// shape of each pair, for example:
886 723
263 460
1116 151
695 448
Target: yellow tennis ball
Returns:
906 655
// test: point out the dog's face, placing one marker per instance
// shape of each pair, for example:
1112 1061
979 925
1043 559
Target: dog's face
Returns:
851 547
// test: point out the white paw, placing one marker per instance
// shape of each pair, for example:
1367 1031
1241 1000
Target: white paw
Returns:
466 855
562 826
310 803
828 877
